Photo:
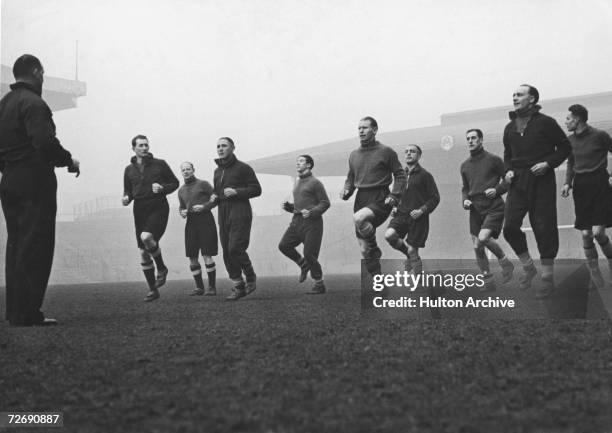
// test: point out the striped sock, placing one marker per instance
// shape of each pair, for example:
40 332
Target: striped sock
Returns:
148 269
196 271
157 256
211 272
606 247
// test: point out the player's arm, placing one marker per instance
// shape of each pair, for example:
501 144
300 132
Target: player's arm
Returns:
465 189
322 200
433 195
569 175
169 181
563 147
208 190
127 188
399 177
349 183
502 187
251 188
40 129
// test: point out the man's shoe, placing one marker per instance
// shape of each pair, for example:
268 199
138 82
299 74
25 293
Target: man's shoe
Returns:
545 289
317 289
210 291
304 269
152 296
237 293
161 278
197 292
46 322
527 277
251 285
507 271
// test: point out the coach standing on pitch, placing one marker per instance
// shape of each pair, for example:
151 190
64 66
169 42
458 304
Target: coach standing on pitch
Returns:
534 145
29 151
235 183
310 202
148 181
371 167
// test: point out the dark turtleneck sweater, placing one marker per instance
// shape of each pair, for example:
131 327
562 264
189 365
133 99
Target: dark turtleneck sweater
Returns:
139 178
309 193
372 165
195 191
589 152
532 137
481 171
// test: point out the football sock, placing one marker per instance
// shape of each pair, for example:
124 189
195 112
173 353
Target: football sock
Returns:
196 271
149 272
211 272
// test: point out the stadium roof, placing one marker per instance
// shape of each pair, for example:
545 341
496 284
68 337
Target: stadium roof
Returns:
59 93
443 145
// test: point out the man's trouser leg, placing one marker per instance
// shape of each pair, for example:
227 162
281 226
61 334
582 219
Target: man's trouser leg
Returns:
543 217
313 235
233 269
238 242
289 241
517 206
30 218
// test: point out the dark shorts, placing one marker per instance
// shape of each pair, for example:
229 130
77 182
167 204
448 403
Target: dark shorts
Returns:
150 215
415 231
201 235
592 200
374 199
487 214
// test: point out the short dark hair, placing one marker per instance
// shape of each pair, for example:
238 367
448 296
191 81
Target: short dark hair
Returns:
418 148
373 122
138 137
579 111
533 92
229 140
24 65
308 159
476 130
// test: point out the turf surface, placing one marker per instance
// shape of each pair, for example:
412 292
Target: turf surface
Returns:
282 361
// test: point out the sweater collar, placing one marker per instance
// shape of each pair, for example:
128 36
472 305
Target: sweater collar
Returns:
477 152
146 160
369 146
524 113
28 86
226 163
414 169
304 175
586 131
190 180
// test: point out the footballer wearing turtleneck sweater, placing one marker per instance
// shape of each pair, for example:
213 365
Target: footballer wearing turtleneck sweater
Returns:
482 190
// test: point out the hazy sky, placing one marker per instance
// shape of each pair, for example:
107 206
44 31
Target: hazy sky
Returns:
283 75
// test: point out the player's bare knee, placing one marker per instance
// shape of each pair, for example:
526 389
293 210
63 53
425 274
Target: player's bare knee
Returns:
147 239
193 261
391 236
208 260
483 238
599 233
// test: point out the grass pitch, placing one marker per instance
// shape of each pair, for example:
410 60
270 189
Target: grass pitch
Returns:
282 361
